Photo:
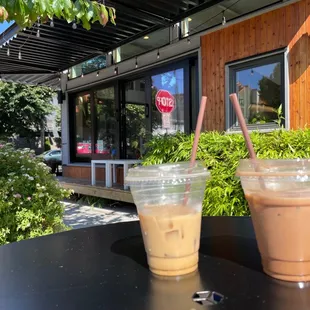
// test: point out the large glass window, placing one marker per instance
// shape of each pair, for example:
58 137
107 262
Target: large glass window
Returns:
135 113
106 130
142 45
83 125
259 84
212 16
88 66
168 102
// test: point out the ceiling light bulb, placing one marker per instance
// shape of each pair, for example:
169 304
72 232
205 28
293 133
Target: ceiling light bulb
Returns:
146 37
82 75
8 52
52 23
97 73
223 20
38 33
158 55
74 25
20 55
188 40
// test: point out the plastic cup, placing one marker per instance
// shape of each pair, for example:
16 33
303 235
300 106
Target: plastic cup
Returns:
170 227
278 193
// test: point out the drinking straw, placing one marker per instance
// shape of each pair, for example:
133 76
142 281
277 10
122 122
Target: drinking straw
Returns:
236 105
198 129
195 144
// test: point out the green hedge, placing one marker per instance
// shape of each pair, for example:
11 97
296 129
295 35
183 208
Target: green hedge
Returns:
221 153
30 197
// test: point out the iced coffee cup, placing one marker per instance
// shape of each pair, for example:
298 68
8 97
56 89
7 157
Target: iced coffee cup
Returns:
169 202
278 193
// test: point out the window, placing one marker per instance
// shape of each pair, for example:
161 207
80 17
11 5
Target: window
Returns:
168 102
142 45
88 66
259 84
83 126
106 129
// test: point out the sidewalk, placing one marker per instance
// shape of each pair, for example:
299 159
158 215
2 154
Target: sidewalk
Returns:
81 216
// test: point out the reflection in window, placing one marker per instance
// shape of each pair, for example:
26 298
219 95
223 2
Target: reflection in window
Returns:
136 131
144 44
167 88
83 125
88 66
213 15
106 123
259 85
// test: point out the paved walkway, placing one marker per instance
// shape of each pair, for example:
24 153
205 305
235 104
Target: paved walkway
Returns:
81 216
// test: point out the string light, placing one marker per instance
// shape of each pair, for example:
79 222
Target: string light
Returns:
52 23
20 55
115 70
74 25
137 62
223 19
158 55
97 73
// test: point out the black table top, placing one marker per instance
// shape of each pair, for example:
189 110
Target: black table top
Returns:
104 267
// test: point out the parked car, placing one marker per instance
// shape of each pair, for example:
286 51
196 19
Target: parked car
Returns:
52 158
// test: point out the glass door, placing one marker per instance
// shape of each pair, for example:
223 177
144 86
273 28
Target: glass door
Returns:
136 115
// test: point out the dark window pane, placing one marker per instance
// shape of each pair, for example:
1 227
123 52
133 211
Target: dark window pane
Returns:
106 126
83 126
167 88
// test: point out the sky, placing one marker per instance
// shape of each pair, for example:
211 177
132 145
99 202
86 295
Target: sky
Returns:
4 26
246 77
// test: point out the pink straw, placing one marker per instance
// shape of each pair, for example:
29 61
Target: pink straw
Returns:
198 129
202 109
235 102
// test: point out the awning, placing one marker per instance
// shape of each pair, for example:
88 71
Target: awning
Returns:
61 46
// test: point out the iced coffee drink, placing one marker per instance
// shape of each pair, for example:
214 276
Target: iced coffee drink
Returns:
171 237
169 202
278 193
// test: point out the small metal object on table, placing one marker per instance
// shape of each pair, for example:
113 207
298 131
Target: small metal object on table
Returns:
108 162
105 267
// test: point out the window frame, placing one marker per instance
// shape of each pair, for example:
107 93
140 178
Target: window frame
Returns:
231 68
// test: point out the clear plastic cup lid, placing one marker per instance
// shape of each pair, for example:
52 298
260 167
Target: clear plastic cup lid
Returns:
180 171
273 167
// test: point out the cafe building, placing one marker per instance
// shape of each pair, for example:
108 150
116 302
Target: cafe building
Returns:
120 85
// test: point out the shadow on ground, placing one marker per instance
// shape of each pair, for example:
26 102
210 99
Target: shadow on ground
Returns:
77 216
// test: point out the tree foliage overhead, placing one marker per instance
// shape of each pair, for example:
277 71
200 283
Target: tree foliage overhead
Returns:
26 12
23 108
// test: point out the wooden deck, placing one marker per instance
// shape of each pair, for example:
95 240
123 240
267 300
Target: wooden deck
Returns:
84 187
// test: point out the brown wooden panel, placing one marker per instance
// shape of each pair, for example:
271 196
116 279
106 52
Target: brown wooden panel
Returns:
84 173
285 27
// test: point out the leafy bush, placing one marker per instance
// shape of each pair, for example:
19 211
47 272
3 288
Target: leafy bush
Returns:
221 153
29 197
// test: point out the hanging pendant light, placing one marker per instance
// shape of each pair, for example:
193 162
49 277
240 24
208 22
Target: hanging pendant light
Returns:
223 19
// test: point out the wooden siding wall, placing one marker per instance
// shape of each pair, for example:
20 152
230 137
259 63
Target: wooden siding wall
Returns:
287 26
82 172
